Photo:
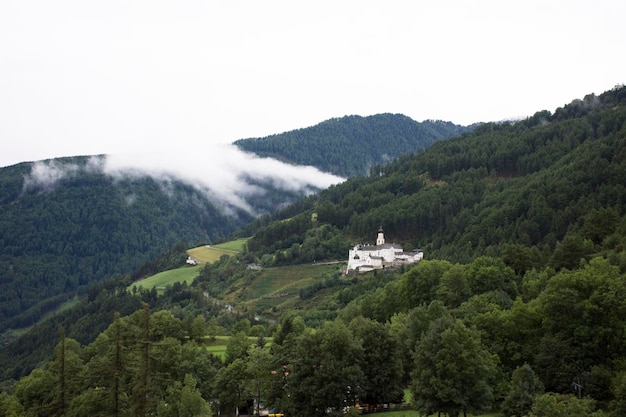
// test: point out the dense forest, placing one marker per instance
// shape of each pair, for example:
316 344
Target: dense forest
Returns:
550 179
518 307
466 338
349 146
65 226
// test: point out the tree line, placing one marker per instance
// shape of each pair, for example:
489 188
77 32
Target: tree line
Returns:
349 146
464 338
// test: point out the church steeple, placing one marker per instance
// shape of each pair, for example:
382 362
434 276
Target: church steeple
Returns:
380 240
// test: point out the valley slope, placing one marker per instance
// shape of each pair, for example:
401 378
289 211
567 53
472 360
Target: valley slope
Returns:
65 224
534 183
510 216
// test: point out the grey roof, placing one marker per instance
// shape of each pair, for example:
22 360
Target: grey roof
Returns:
379 247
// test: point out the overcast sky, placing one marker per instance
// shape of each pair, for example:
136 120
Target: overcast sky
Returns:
120 76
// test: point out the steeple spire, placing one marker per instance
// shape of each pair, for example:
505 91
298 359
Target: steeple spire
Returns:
380 240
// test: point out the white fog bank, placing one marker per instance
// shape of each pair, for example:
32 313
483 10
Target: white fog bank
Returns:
222 174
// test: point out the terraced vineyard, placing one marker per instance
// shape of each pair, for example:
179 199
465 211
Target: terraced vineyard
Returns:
278 289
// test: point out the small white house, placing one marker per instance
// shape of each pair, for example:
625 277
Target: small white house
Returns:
365 258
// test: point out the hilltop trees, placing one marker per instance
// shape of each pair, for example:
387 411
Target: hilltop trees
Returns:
525 385
453 370
537 188
583 322
350 145
324 372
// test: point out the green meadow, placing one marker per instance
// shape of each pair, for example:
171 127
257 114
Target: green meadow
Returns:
165 278
217 344
212 253
202 255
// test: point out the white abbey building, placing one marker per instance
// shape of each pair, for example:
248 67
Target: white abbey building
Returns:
365 258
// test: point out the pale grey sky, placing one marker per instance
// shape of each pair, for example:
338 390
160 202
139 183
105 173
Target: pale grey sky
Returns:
121 76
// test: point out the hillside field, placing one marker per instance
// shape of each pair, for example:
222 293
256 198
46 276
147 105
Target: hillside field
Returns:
217 345
212 253
165 278
201 254
278 288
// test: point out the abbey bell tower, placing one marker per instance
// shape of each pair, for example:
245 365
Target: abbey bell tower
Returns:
380 240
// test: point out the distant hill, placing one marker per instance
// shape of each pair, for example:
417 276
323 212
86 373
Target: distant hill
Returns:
349 146
65 226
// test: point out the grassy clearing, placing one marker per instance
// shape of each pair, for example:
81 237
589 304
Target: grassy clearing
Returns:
165 278
217 350
233 245
207 254
218 344
202 254
211 253
278 289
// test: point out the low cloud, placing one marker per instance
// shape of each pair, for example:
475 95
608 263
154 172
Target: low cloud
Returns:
225 174
45 175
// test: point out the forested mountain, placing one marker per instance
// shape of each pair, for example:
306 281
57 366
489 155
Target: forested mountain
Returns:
518 307
65 225
531 183
523 225
349 146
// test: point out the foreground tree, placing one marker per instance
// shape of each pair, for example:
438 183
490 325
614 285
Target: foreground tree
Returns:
37 391
453 371
524 386
184 400
324 375
557 405
453 287
259 372
583 325
231 386
618 404
382 364
47 391
10 406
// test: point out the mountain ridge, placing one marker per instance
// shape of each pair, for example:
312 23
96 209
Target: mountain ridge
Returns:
69 222
350 145
423 200
511 216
